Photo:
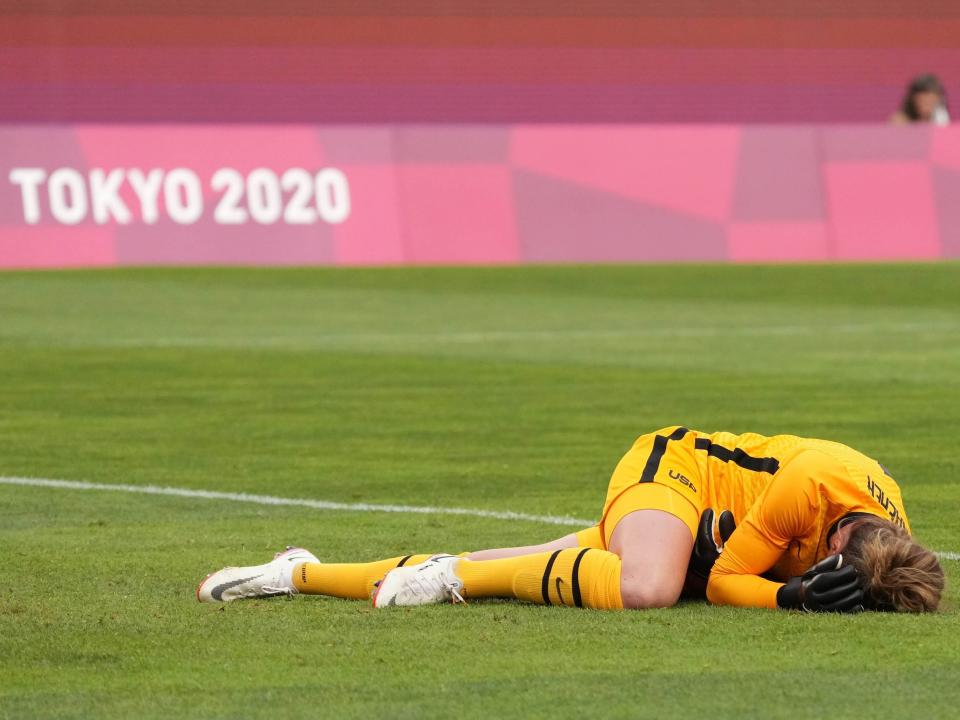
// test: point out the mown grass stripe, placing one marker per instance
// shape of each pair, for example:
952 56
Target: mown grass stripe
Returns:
319 504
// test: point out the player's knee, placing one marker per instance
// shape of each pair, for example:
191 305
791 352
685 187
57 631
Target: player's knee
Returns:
643 594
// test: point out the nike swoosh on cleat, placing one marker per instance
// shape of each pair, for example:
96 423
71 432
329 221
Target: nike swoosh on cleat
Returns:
217 592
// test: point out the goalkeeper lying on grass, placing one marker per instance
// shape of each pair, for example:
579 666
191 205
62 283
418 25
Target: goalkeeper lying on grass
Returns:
823 529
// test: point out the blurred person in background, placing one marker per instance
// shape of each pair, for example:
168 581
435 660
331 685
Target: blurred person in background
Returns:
924 102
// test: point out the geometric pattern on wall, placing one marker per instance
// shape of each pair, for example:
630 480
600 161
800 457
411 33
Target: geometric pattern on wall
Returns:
504 194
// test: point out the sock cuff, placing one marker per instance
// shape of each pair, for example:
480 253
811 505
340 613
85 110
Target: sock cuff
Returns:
291 571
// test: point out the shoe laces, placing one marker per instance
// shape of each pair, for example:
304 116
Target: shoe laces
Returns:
429 585
273 590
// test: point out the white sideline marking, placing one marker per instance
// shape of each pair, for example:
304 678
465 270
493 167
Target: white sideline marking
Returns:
298 502
316 504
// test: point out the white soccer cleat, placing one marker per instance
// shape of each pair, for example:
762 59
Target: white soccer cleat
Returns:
257 581
432 581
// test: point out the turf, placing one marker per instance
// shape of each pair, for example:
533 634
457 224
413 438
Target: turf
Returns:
490 388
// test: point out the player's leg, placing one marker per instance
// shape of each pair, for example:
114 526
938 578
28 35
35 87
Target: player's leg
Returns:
357 580
354 581
573 576
590 537
654 550
651 515
351 581
645 567
658 513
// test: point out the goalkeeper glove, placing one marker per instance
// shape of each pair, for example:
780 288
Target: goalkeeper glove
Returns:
706 550
828 586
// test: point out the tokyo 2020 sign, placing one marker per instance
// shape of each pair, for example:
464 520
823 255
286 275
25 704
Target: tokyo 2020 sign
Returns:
94 195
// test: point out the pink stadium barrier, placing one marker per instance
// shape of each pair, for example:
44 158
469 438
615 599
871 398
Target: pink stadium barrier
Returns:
92 195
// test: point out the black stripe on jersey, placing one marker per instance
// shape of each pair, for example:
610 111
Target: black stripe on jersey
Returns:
739 457
545 587
656 455
577 600
404 561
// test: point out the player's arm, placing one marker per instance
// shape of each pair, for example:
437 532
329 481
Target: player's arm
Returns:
786 510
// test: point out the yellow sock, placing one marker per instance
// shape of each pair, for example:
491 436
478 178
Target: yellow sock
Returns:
576 577
591 537
353 581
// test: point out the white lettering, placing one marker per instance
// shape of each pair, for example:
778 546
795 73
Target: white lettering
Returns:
228 210
68 196
182 194
333 195
263 196
147 188
295 197
105 198
29 180
298 210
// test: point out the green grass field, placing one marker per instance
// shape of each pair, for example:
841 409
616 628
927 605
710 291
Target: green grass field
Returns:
492 388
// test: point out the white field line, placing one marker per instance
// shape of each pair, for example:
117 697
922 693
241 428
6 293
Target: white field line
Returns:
317 504
297 502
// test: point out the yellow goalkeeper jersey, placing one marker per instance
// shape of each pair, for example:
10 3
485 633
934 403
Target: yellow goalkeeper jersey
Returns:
786 493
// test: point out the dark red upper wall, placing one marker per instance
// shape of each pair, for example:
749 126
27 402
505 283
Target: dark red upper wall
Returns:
469 61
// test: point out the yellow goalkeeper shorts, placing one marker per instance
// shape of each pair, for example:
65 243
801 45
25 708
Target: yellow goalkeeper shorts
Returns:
660 472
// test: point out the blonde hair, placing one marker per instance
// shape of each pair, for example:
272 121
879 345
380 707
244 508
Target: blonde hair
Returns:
897 573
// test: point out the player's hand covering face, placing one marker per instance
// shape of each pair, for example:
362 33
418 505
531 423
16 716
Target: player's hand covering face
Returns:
828 586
